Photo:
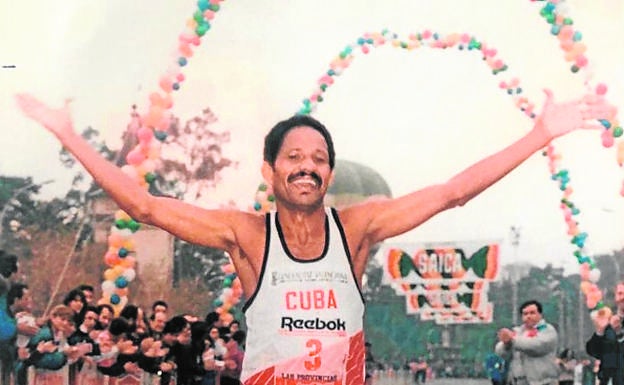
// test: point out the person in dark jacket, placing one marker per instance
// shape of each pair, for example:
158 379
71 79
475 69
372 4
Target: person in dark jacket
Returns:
606 343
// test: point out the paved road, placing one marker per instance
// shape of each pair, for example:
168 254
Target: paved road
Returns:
402 379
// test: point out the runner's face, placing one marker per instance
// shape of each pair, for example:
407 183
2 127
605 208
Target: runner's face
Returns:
301 173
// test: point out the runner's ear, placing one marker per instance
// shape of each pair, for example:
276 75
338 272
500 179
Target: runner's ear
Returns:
267 173
331 178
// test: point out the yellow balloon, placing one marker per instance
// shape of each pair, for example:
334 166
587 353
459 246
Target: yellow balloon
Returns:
110 274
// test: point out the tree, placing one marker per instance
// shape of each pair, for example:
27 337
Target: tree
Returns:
192 161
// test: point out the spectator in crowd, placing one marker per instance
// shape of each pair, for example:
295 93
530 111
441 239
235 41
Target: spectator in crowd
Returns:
566 363
49 350
160 306
173 328
203 351
76 301
137 328
233 358
496 369
219 343
83 336
157 324
8 327
212 366
88 292
153 360
105 315
530 348
20 302
605 343
420 370
125 361
234 327
212 319
189 367
369 363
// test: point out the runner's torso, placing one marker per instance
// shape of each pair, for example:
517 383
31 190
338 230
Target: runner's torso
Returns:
305 320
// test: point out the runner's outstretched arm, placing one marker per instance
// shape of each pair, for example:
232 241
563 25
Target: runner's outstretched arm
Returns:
205 227
388 218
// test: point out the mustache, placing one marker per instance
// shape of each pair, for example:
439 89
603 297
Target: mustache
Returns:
301 174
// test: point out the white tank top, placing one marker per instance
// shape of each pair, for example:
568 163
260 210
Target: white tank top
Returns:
305 319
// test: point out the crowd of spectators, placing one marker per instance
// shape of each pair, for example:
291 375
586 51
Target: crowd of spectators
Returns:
81 343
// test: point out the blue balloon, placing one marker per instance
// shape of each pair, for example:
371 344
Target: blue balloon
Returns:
121 282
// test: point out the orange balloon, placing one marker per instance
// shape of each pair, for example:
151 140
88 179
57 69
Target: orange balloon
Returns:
111 258
115 240
128 262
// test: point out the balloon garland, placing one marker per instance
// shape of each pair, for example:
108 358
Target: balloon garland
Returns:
230 295
574 51
144 159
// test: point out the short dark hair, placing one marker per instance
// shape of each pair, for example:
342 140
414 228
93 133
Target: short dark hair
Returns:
239 336
16 292
160 302
72 295
175 325
530 302
119 326
274 139
130 312
91 308
105 305
212 318
85 287
8 263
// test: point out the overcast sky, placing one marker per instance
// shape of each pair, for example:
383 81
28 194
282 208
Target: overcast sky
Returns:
416 117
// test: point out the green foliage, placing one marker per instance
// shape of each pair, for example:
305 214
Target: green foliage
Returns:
397 337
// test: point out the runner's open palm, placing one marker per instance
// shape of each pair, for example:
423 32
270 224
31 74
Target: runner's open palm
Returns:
560 118
56 120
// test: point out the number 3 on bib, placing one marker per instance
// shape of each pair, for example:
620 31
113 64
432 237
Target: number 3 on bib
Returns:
315 349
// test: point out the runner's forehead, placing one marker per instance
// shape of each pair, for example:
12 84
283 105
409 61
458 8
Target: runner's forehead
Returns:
302 137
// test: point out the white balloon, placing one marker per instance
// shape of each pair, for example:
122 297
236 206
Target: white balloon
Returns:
129 274
108 287
594 275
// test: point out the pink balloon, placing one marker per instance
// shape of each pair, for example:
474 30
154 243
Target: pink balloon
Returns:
135 157
145 134
185 50
601 89
607 139
166 84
